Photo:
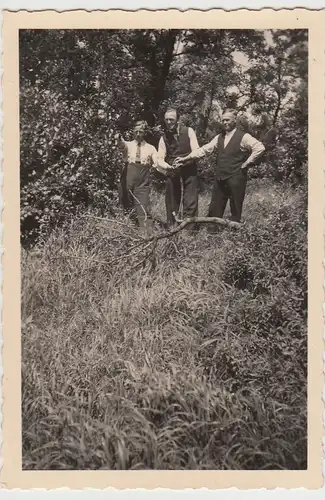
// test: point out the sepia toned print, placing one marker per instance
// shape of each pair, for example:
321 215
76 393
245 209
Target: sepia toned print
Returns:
165 179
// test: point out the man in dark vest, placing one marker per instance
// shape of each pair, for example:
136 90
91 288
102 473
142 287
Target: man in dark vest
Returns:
236 151
178 141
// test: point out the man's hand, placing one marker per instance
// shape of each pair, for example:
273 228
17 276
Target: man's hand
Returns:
244 165
166 170
179 161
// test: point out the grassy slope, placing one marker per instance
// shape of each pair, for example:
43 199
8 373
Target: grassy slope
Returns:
195 360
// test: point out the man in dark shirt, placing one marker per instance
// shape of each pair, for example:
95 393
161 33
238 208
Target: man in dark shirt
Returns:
178 141
236 151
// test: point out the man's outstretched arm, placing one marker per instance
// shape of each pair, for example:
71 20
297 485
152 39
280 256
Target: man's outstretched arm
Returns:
200 152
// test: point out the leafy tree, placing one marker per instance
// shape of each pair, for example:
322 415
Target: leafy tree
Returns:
71 109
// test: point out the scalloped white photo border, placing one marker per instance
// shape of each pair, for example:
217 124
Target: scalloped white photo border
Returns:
161 494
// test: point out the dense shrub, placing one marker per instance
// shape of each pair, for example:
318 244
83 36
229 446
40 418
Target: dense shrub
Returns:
71 159
71 109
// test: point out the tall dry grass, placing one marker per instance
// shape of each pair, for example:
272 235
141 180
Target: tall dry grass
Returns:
196 359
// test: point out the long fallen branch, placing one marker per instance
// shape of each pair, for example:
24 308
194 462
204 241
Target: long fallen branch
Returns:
154 238
194 220
175 230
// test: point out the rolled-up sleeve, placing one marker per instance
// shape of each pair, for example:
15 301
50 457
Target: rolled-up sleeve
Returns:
253 145
193 139
161 155
154 157
205 150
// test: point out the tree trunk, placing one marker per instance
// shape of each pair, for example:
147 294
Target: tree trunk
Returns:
277 110
160 79
206 118
278 91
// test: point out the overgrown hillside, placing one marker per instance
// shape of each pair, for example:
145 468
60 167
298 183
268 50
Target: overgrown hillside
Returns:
195 358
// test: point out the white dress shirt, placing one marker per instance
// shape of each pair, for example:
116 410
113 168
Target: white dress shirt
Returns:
148 153
162 165
248 143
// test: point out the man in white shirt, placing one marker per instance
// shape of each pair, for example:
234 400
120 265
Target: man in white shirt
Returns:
236 150
140 158
176 141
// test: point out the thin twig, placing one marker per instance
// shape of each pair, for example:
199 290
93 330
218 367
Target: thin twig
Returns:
127 255
146 257
108 262
143 209
104 219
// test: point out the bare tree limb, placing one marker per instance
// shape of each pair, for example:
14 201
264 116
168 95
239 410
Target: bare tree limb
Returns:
194 220
184 223
104 219
137 248
142 207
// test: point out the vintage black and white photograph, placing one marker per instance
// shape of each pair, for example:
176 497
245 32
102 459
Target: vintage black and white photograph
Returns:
163 219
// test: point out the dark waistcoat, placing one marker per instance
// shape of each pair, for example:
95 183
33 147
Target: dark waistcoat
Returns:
179 146
231 157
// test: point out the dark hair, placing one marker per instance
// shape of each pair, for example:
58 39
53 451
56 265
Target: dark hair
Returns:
140 120
174 110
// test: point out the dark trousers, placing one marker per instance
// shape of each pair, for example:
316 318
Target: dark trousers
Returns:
174 193
134 191
232 189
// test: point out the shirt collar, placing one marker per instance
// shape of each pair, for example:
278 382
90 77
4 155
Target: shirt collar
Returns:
231 131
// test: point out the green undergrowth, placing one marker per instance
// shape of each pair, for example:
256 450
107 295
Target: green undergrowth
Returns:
193 358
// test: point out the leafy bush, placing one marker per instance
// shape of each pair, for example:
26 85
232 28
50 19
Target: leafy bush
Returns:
71 159
71 110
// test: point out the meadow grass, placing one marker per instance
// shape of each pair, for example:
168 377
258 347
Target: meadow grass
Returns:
194 359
